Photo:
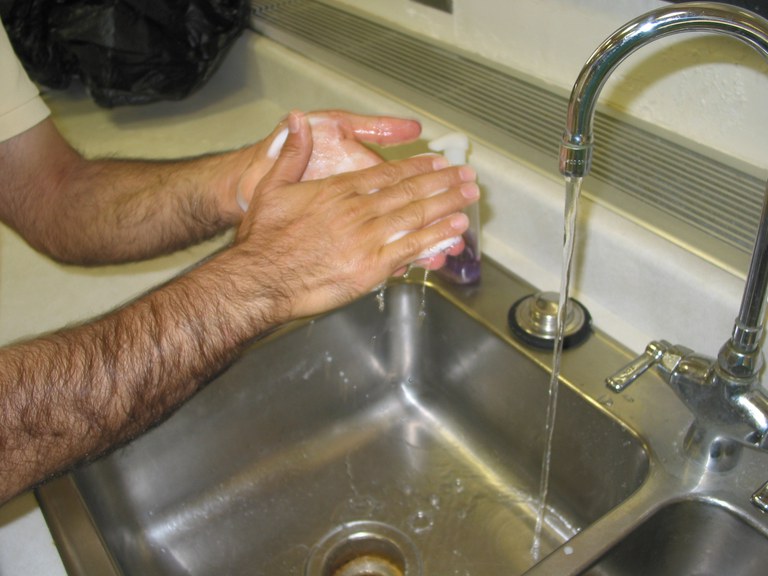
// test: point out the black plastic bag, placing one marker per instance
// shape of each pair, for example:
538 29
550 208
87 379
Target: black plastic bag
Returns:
124 51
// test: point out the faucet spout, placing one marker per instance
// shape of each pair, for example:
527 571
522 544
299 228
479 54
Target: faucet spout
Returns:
576 147
740 357
734 375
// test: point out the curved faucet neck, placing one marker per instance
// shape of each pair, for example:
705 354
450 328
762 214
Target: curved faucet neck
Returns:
739 360
576 147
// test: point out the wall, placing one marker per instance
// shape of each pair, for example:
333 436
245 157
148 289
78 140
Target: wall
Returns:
709 89
638 285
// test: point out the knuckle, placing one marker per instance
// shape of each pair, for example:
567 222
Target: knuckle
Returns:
353 211
410 189
413 246
390 172
332 187
414 217
396 222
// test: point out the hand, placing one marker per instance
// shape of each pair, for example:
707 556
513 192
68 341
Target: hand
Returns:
322 243
337 146
337 139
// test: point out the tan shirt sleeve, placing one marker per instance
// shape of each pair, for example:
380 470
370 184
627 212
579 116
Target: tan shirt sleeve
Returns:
20 104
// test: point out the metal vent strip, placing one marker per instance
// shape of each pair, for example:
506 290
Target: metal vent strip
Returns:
693 197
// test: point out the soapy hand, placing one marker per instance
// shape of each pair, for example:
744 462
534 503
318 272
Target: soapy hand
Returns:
337 148
337 141
337 138
321 243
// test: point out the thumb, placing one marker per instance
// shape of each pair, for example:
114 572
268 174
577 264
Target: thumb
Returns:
295 153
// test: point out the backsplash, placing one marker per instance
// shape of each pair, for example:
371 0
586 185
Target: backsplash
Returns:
708 89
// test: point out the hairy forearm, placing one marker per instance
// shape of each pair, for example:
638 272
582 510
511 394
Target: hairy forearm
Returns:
72 395
302 248
109 211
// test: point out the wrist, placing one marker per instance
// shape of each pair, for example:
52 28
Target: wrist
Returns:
241 173
249 295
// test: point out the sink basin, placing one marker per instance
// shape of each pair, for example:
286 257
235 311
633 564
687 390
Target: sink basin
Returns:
688 537
402 434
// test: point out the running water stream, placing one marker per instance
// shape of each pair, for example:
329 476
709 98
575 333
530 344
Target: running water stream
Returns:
572 193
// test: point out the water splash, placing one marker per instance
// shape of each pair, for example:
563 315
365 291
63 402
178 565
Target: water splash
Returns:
380 294
423 303
421 521
605 400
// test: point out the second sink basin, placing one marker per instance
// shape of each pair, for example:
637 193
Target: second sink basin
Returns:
688 537
399 435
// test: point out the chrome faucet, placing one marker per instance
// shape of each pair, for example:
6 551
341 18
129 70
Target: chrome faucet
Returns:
723 394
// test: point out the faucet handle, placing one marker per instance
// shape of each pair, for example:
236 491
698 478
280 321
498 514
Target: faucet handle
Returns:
760 498
653 354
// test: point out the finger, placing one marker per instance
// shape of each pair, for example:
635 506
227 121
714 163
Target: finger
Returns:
434 260
382 130
410 247
456 249
388 174
403 222
432 263
419 201
246 184
294 154
277 140
253 174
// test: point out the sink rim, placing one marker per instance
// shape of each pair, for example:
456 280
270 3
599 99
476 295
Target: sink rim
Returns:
488 305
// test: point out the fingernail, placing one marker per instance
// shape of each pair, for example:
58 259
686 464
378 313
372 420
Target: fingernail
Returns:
440 162
470 190
277 144
294 122
241 201
459 222
467 173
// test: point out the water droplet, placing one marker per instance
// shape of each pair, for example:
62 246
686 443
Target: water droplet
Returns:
421 521
380 297
363 505
435 501
605 400
423 304
458 485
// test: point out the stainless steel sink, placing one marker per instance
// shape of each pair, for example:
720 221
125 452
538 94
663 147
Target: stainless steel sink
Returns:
399 435
689 537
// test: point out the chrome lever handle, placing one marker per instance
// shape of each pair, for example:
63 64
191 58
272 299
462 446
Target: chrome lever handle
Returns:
760 498
632 371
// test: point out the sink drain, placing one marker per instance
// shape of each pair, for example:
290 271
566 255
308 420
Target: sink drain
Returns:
364 549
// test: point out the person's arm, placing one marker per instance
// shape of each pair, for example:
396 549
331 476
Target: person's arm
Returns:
96 211
303 248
